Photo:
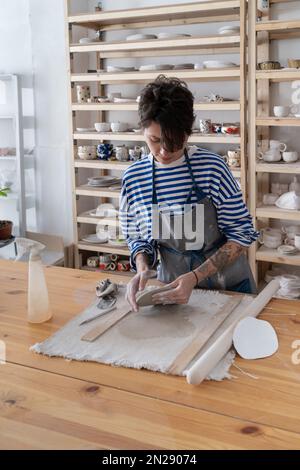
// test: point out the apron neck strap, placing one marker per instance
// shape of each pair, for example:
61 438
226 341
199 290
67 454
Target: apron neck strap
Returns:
200 195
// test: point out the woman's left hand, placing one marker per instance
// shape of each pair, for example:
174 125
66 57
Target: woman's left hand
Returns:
181 291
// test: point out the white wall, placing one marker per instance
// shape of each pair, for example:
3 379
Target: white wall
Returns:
16 58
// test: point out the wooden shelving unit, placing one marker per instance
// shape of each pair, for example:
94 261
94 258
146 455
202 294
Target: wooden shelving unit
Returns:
139 18
262 32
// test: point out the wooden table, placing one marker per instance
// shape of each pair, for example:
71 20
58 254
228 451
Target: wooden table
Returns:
51 403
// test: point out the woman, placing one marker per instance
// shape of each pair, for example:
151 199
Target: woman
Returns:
175 189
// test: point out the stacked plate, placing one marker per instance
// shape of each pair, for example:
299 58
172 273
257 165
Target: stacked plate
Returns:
287 250
95 239
140 37
87 40
152 67
218 64
184 66
229 30
123 100
172 36
105 210
103 181
113 68
85 129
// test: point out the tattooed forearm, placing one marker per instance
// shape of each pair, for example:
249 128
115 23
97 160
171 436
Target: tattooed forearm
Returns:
223 257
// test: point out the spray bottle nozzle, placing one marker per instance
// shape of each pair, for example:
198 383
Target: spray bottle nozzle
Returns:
25 245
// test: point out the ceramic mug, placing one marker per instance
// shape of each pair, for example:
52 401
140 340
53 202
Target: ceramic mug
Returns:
284 111
93 261
122 153
290 156
271 237
276 144
279 188
297 240
123 265
4 151
232 160
135 154
272 155
270 199
105 151
205 126
83 93
145 151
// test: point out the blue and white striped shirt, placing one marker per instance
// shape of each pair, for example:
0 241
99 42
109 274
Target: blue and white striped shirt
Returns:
173 184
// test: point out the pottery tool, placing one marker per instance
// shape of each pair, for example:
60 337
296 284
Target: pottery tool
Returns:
218 348
93 334
105 288
97 316
144 298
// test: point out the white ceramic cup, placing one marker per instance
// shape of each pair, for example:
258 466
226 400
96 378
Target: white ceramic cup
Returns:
297 240
276 144
272 155
271 238
270 199
111 96
119 126
122 153
290 156
281 111
102 126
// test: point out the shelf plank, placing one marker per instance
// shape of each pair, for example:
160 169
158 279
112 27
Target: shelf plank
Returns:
278 26
275 121
105 248
131 136
232 73
272 256
86 190
178 52
218 41
278 75
281 1
282 168
223 106
102 164
148 15
274 212
85 218
122 166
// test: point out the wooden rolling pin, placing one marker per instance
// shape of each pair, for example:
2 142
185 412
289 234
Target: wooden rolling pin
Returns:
213 355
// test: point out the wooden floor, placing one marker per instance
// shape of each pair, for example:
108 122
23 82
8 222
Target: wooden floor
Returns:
49 403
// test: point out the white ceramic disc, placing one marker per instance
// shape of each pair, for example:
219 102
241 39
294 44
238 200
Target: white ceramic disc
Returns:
254 339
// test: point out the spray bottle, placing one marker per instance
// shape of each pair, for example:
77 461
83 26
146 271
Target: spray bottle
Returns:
38 300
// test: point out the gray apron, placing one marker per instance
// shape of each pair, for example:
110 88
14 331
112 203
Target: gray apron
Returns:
177 260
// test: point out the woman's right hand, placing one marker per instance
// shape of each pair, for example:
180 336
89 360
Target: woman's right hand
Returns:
137 283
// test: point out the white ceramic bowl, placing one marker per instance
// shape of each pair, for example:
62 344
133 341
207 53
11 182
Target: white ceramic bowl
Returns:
102 126
119 126
87 40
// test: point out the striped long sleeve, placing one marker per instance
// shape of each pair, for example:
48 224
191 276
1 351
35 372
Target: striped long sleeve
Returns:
173 183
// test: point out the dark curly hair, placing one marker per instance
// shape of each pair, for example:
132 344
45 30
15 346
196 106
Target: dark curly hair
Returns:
169 103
